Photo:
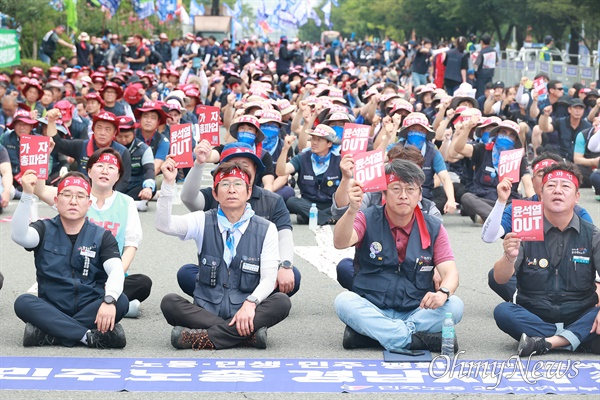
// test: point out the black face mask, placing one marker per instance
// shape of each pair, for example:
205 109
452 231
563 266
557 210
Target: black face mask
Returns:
591 103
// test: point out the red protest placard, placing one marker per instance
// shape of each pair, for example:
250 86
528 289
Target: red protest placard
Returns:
540 86
209 124
528 220
34 154
370 171
181 145
355 139
509 165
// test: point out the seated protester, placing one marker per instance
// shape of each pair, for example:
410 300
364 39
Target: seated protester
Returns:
561 133
22 124
112 95
499 222
318 171
272 128
191 106
7 191
417 132
346 269
265 204
337 120
150 116
142 185
105 126
557 304
481 197
32 93
287 114
409 314
586 160
59 163
234 303
78 268
78 127
94 105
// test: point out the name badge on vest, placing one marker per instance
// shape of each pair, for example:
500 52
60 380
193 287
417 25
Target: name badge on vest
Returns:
425 263
309 177
490 169
87 253
247 267
581 260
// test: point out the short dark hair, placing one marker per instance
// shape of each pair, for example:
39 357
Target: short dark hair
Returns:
75 174
565 166
542 75
486 39
552 84
107 150
409 153
228 166
407 171
427 41
545 156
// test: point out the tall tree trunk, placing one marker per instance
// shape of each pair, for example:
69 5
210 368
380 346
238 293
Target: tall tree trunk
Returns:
215 9
35 46
574 46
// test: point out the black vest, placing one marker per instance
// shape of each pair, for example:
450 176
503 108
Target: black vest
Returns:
587 134
453 61
62 278
222 290
558 293
313 189
137 150
484 184
11 141
383 281
428 170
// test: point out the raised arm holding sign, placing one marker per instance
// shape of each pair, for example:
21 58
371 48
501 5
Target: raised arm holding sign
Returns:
356 139
34 154
369 170
181 145
510 164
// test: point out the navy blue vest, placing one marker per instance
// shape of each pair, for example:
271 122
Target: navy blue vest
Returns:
137 150
430 152
453 62
381 279
222 290
118 109
62 276
318 190
558 293
11 141
484 184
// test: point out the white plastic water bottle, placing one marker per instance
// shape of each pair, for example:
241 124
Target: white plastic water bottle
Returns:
34 215
313 217
448 336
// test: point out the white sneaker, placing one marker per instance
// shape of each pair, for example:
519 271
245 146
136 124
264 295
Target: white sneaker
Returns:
134 309
33 289
142 205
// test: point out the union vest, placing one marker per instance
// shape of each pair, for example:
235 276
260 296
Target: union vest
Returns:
310 187
137 150
558 293
484 184
453 61
11 141
221 290
113 219
587 134
65 278
118 109
430 152
381 279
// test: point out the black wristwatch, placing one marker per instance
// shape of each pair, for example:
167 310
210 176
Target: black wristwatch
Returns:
110 300
445 291
285 264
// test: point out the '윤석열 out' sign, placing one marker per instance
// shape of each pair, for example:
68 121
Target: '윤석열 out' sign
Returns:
528 220
34 154
181 145
355 139
509 165
370 171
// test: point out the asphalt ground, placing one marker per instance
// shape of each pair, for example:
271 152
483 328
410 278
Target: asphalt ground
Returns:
312 330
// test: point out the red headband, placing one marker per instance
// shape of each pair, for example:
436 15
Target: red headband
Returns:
234 173
73 181
561 174
109 158
391 178
543 164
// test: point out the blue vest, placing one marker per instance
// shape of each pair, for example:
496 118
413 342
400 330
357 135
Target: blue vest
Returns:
453 62
558 293
62 279
318 190
83 159
79 128
381 279
11 141
484 184
137 150
222 290
118 109
430 153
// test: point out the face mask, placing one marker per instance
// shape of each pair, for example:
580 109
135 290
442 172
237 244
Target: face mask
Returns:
339 131
485 137
504 143
415 138
247 137
270 131
270 143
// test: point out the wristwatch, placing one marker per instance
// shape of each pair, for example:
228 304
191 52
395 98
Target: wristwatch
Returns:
445 291
110 300
285 264
252 299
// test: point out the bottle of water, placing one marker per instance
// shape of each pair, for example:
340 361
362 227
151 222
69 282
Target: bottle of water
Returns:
448 336
313 217
34 215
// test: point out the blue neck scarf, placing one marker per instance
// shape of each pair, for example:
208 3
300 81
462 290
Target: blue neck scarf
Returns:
229 250
320 163
271 139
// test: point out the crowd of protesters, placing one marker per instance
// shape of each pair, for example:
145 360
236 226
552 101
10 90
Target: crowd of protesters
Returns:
283 107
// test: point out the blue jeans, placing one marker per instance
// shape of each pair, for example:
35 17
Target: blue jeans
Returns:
186 277
515 320
44 57
393 329
345 273
595 179
419 79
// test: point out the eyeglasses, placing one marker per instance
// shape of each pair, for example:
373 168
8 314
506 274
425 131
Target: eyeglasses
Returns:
78 196
410 190
237 185
560 88
102 166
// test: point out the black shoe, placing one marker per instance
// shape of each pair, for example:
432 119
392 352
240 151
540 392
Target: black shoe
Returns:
591 346
301 220
529 345
258 340
429 341
354 340
114 339
34 336
186 338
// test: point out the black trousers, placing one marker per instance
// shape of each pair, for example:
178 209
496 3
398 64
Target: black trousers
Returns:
69 329
180 312
301 206
473 205
137 287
